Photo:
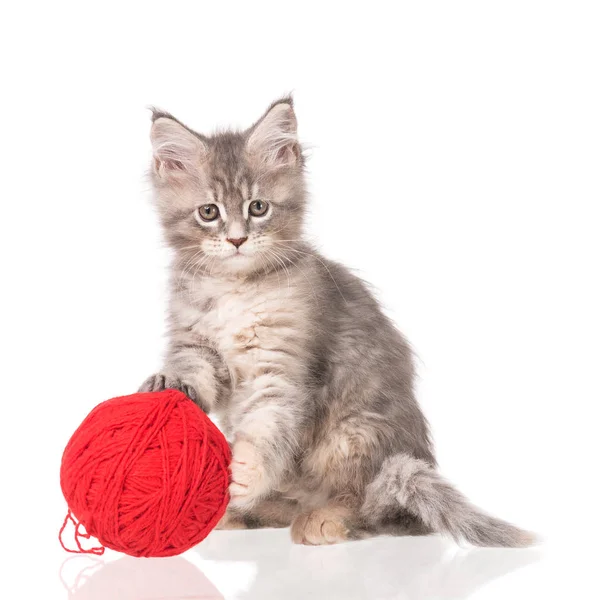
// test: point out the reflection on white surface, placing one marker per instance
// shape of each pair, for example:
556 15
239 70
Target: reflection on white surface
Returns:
264 565
135 579
408 568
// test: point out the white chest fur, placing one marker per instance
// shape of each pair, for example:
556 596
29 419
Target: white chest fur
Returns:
249 323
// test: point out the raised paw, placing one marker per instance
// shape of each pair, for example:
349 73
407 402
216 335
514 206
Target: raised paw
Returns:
249 480
320 527
163 381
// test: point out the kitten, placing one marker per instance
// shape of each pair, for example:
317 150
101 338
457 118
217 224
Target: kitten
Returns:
309 380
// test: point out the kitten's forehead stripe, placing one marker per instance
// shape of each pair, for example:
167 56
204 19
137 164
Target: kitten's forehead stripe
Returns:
218 192
221 186
244 189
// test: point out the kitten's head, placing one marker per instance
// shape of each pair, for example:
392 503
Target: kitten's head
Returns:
233 202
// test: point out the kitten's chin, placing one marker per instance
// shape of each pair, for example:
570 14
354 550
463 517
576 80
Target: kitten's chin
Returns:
237 264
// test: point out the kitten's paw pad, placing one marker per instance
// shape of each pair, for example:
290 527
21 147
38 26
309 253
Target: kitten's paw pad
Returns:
164 381
249 480
319 527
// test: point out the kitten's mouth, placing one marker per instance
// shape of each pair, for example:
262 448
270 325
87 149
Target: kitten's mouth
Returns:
238 254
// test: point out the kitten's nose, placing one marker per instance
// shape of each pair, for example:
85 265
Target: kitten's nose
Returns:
238 242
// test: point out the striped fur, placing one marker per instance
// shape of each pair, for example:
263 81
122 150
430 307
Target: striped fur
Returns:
309 379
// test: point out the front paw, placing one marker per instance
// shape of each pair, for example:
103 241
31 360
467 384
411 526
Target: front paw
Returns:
164 381
248 475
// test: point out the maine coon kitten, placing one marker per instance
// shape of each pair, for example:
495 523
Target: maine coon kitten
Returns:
311 383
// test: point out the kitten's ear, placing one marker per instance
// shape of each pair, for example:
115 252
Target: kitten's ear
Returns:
273 138
176 150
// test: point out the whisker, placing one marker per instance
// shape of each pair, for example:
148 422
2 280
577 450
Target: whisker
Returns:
305 276
274 269
291 249
281 262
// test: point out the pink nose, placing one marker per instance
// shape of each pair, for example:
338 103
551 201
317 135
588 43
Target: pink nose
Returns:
238 242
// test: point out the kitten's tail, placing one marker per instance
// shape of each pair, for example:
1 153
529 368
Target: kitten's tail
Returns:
415 486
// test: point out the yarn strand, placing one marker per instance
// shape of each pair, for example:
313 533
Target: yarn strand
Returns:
98 550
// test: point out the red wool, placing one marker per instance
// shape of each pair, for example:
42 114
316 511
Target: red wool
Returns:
145 474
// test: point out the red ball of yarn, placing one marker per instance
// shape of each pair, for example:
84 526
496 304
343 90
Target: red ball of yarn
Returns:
146 474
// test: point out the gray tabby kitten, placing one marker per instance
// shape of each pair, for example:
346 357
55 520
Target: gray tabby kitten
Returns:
310 381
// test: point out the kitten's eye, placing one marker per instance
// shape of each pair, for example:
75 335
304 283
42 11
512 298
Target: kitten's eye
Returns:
208 212
258 208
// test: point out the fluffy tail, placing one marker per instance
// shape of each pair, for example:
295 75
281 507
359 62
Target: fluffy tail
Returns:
412 484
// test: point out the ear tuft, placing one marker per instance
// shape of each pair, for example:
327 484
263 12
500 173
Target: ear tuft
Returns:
274 137
176 149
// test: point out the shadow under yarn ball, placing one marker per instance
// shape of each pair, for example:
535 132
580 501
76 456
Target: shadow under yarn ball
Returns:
146 474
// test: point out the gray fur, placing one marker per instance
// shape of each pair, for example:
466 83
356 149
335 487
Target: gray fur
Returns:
310 381
421 490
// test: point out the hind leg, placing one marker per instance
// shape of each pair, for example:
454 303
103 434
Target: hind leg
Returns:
338 467
271 513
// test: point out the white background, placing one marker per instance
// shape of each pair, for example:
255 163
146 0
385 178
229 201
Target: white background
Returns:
453 150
